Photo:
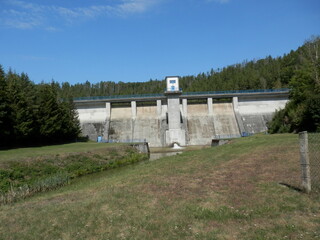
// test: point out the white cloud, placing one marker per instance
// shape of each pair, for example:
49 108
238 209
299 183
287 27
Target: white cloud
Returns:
25 15
17 19
25 5
135 6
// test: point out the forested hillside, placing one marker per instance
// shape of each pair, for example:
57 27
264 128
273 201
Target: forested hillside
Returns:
302 113
298 70
33 114
267 73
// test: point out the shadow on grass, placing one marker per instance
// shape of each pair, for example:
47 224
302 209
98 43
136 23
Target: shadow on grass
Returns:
291 187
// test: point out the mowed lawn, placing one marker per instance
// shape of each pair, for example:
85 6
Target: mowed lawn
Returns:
243 190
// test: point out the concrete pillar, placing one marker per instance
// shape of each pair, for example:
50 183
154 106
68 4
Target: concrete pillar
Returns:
133 109
210 109
235 104
174 113
159 108
108 110
105 133
185 107
304 161
174 134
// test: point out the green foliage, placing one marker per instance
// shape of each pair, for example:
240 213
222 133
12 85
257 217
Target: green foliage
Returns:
311 120
303 111
256 74
33 114
279 124
4 109
42 185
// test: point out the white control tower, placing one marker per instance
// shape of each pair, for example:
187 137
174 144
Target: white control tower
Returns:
172 84
175 134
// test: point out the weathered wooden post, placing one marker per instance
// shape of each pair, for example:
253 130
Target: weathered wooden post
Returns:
304 161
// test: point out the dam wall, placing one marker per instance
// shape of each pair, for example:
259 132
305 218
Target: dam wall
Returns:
120 124
200 124
225 121
92 118
255 113
186 119
128 123
147 125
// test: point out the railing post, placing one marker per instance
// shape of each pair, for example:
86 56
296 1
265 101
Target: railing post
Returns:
304 161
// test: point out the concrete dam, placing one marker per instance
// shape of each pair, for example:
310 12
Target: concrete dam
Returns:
176 117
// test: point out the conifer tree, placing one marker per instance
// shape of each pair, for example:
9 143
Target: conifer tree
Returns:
49 114
4 111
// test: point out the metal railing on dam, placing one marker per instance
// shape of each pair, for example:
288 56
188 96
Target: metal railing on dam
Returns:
279 90
155 96
127 97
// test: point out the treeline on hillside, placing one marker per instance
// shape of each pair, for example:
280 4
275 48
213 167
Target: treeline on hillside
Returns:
302 113
32 114
267 73
297 70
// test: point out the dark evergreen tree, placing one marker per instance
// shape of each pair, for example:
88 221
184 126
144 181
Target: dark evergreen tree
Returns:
25 124
57 119
5 123
70 124
49 115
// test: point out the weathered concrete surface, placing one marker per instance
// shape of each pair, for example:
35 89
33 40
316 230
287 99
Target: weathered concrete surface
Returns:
92 130
175 132
256 112
137 123
255 123
200 125
147 125
92 119
92 113
178 119
225 123
121 113
120 124
235 103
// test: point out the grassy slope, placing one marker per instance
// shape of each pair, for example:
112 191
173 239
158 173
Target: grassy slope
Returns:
228 192
23 153
22 176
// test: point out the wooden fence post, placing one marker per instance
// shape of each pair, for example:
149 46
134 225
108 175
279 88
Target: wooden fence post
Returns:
304 161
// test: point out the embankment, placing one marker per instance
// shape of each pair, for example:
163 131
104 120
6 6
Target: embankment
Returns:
22 178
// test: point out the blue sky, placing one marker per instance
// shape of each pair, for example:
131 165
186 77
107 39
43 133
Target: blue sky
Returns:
138 40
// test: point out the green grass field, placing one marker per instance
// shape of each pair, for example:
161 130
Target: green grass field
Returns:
242 190
24 153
